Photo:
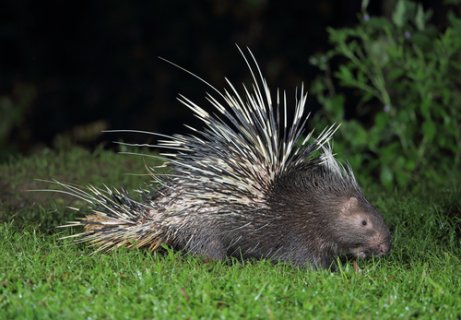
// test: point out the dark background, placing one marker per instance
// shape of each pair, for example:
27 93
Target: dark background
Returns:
74 68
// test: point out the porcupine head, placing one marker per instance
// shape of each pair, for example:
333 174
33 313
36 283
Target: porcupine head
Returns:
327 215
251 184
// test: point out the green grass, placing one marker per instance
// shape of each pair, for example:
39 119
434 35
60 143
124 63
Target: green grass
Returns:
44 277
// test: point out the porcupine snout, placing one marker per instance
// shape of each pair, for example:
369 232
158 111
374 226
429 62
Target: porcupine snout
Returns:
376 246
380 244
382 248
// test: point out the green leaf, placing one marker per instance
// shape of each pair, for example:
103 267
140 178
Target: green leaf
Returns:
402 178
335 106
420 20
386 176
382 120
355 132
395 74
429 130
426 105
410 165
345 74
398 17
378 52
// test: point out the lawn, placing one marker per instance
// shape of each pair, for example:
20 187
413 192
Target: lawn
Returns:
43 277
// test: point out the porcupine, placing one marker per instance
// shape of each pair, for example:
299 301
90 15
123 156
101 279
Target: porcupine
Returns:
249 185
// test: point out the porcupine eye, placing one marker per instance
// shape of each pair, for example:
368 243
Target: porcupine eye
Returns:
364 222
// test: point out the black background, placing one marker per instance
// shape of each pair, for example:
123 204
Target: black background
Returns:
89 61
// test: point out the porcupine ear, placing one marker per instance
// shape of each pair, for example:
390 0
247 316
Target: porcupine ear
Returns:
349 206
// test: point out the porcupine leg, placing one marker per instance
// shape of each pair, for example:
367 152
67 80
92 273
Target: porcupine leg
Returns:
210 250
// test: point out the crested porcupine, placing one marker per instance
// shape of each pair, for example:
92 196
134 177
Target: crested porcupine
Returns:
248 185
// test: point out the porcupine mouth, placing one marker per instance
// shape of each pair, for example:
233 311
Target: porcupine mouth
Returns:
363 254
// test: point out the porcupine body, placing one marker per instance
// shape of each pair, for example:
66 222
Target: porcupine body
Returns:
250 185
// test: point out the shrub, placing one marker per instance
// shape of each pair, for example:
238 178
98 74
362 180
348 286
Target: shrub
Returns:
394 85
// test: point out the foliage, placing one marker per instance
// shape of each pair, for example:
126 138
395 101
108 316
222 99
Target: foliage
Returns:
402 73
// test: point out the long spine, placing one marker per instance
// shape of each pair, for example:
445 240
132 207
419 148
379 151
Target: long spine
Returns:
247 143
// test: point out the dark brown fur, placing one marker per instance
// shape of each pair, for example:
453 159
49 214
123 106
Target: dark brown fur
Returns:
313 216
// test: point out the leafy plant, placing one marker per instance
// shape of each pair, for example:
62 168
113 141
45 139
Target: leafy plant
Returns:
394 85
